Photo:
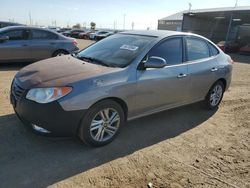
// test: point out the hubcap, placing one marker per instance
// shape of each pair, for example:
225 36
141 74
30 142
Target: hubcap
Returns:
216 95
105 124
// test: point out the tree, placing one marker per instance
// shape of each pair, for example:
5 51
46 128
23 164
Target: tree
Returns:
92 25
77 26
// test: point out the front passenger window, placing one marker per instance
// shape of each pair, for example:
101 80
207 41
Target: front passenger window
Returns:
170 50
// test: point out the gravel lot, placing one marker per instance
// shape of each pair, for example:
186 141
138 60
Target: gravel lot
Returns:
184 147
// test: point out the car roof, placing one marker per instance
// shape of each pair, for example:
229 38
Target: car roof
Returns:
157 33
25 27
31 27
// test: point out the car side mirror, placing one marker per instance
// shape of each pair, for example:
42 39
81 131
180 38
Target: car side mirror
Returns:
4 38
155 62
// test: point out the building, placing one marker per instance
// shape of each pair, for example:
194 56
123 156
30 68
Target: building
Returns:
172 22
217 24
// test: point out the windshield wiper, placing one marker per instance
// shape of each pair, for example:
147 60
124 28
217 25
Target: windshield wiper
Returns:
97 61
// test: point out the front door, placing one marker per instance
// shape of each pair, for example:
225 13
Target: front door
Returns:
17 47
164 87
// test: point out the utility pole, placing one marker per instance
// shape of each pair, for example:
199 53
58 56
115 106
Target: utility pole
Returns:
133 24
236 3
30 18
230 25
124 19
190 7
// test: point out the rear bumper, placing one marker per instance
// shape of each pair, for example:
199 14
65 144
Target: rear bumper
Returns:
74 49
50 117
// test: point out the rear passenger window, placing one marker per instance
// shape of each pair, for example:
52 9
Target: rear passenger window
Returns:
40 34
213 49
170 50
196 49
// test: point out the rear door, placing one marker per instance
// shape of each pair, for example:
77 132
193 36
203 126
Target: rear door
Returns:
202 66
164 87
17 47
43 43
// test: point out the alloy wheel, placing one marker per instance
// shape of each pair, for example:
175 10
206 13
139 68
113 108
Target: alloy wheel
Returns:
216 95
105 124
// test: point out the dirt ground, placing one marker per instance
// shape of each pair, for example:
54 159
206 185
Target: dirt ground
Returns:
184 147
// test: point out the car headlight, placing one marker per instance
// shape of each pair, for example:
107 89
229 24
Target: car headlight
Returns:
46 95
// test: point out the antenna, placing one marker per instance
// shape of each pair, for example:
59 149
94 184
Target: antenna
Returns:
30 18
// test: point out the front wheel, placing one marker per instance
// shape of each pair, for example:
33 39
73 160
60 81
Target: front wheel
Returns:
214 95
101 123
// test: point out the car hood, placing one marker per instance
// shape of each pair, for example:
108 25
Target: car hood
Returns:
59 71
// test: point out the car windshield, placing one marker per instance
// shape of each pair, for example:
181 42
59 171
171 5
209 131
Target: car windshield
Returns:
118 50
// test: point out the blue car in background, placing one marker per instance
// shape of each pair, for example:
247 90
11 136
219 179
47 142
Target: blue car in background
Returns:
23 43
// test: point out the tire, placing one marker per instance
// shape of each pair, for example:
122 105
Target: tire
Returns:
59 53
103 130
217 90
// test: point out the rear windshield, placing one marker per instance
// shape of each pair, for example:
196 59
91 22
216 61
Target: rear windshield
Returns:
118 50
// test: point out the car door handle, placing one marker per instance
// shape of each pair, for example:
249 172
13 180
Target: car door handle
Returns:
181 75
214 69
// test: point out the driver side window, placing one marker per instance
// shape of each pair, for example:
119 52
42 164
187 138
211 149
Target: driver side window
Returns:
170 50
18 34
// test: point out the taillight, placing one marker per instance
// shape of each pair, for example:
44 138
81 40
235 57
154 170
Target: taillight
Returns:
75 42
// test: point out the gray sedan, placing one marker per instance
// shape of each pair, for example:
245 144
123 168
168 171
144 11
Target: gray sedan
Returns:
21 43
123 77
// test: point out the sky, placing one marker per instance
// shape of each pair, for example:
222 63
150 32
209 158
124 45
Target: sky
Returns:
105 13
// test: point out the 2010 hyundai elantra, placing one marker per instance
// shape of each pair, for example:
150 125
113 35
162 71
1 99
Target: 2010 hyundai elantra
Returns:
125 76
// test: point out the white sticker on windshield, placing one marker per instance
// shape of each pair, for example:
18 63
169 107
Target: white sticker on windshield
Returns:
129 47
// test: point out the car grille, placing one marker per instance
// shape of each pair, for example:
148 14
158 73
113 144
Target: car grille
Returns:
17 91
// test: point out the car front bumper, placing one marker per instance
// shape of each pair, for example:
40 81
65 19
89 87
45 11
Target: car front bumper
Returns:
47 119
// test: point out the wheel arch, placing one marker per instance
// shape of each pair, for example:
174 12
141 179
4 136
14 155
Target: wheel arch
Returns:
120 101
223 80
58 50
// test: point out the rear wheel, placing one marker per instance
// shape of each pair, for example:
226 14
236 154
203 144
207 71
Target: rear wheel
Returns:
59 53
215 95
101 123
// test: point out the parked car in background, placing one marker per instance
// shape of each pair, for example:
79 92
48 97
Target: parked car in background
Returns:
92 36
6 24
125 76
245 49
73 33
56 29
85 35
102 35
230 47
63 30
22 43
